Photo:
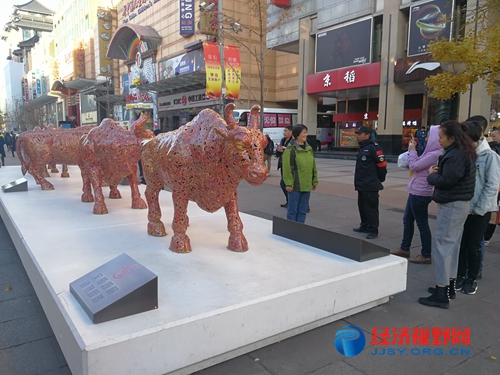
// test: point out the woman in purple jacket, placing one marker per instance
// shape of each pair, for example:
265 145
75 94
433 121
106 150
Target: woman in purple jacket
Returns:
420 197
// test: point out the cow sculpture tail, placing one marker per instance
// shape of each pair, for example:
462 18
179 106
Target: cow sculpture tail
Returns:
138 127
19 145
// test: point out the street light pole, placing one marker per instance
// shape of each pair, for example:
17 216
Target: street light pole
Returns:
221 53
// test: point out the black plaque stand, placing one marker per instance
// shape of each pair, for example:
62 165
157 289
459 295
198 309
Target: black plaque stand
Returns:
335 243
15 186
118 288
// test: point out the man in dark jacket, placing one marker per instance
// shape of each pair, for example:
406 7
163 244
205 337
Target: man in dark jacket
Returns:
371 169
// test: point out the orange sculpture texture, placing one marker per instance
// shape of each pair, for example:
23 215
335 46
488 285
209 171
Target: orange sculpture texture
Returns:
204 161
108 154
38 147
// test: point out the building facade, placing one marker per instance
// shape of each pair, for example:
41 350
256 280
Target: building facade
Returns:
369 59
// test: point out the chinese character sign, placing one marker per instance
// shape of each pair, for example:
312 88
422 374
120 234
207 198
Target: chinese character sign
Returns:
350 76
327 80
213 70
233 71
186 17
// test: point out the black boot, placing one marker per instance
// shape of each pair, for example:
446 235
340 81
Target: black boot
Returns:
437 299
452 292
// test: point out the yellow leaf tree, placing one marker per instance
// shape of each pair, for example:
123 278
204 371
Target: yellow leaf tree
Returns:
475 53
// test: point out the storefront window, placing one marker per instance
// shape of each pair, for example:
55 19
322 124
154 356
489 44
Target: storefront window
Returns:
347 132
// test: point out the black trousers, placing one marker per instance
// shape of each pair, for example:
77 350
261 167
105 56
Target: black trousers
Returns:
469 260
283 186
368 210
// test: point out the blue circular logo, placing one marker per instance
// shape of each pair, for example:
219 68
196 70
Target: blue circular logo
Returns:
350 341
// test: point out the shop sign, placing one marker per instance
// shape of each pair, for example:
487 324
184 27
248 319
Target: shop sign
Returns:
343 46
186 17
344 79
138 97
79 59
410 122
428 22
189 99
415 68
140 105
26 89
132 8
213 69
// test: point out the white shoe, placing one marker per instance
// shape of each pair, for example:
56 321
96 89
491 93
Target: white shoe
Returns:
486 243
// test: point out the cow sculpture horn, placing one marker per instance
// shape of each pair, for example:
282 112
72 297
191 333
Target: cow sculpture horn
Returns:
229 116
253 120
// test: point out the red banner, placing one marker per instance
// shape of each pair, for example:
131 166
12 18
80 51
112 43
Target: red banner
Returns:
213 69
233 71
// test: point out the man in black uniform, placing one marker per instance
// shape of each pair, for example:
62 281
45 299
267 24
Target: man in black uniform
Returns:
371 168
279 154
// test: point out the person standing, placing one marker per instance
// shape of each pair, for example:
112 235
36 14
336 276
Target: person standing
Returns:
454 179
299 173
495 146
287 137
329 141
483 203
13 145
2 148
371 169
420 193
268 151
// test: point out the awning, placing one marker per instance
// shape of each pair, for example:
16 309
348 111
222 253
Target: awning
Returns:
80 83
182 83
50 97
125 34
111 98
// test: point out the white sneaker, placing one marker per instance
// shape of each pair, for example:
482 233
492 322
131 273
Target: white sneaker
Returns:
486 243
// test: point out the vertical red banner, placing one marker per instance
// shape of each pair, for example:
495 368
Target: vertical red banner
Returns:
233 71
213 70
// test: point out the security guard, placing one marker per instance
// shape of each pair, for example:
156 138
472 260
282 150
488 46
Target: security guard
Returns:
371 169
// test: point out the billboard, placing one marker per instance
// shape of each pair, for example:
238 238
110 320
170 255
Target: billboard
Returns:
182 64
344 46
429 21
104 32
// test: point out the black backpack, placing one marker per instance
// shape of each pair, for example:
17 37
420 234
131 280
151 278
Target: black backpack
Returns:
269 150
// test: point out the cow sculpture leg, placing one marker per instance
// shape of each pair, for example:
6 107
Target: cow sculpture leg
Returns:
237 241
153 188
114 193
137 202
53 168
87 188
35 171
65 171
180 242
96 181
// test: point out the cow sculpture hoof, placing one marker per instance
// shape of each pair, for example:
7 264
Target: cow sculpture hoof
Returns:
238 243
139 204
87 197
114 193
180 243
100 209
54 170
156 229
65 174
47 186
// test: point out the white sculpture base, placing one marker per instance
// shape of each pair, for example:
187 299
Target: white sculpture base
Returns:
213 304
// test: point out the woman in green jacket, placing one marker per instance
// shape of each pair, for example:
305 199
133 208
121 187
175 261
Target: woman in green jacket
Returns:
299 173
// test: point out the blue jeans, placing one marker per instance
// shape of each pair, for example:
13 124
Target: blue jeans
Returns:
297 206
417 210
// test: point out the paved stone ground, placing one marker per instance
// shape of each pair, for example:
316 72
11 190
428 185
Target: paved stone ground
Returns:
28 346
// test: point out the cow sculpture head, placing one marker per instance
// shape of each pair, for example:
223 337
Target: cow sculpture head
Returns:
246 145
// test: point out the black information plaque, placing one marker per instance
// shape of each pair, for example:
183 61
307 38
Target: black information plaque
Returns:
335 243
15 186
118 288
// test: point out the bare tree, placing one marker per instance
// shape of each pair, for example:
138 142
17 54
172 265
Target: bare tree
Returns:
27 116
227 27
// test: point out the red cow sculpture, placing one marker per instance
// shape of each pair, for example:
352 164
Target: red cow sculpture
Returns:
38 147
204 161
108 154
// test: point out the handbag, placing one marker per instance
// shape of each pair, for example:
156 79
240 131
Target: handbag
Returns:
403 160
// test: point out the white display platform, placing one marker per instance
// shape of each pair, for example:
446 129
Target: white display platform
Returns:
214 304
